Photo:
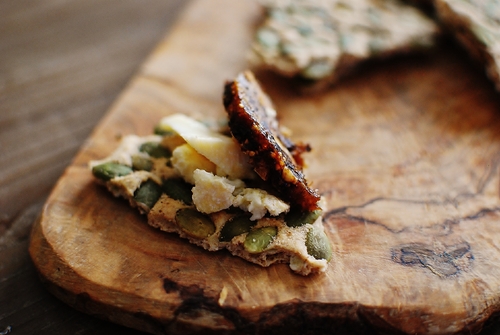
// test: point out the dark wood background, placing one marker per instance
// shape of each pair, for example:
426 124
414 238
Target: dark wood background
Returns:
62 64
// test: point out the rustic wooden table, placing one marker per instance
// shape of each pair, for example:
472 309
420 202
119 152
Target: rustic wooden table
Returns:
62 64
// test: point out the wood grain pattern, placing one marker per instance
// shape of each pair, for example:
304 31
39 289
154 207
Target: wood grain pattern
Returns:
52 55
406 153
62 63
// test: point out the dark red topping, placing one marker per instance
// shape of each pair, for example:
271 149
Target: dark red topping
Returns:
253 123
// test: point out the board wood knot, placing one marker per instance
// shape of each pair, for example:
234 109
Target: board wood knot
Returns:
444 261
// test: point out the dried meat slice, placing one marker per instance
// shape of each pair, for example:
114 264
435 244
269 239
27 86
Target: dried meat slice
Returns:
252 121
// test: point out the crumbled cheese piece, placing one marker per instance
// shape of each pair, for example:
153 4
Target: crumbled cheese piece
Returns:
186 160
213 193
258 202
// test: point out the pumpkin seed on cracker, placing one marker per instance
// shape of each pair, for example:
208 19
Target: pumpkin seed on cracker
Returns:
322 41
268 215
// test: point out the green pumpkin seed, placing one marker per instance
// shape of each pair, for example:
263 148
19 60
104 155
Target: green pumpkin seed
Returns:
194 223
236 211
110 170
259 239
268 38
141 163
318 245
236 226
178 189
317 70
297 218
148 193
163 130
154 149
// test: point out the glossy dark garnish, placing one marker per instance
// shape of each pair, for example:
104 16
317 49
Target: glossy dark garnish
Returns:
254 125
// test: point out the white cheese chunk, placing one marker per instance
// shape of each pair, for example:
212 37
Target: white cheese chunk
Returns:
258 202
222 150
214 193
186 160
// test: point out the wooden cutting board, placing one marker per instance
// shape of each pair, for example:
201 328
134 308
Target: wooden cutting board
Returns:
406 153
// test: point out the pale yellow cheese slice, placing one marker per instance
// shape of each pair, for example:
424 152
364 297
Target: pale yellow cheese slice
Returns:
221 150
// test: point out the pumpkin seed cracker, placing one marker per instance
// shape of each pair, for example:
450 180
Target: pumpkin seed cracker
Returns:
322 41
181 182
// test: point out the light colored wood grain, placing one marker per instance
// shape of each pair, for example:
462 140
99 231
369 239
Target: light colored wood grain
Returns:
406 154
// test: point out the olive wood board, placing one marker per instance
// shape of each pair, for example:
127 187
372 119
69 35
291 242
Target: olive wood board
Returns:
406 153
